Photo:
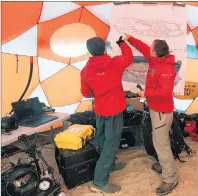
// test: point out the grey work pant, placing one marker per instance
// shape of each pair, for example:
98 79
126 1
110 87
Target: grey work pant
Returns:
108 136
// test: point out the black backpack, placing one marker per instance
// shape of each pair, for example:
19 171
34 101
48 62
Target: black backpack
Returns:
177 141
83 118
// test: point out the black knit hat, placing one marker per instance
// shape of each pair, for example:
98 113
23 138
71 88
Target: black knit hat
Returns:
96 46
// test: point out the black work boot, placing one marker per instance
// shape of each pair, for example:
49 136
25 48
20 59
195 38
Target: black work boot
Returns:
166 188
107 188
157 168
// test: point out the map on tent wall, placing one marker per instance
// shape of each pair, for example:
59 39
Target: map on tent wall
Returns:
147 23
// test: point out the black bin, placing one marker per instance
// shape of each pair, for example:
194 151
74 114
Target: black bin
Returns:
77 166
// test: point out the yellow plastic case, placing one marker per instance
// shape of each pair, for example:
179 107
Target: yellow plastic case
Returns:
74 137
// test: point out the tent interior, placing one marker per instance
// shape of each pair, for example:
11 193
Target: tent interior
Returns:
48 31
42 54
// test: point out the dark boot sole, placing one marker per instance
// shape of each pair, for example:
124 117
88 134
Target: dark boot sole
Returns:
100 191
118 170
161 194
157 171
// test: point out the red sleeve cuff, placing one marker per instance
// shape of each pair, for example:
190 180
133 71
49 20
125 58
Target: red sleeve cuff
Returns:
123 44
130 39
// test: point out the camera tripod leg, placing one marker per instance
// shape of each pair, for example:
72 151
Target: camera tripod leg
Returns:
33 152
52 137
30 150
51 134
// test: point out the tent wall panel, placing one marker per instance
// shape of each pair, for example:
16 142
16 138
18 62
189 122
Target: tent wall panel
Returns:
193 108
63 88
15 78
100 28
18 17
47 29
25 44
59 86
55 9
190 91
195 34
192 70
84 106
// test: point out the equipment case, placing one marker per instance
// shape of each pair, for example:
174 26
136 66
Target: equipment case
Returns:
75 136
77 167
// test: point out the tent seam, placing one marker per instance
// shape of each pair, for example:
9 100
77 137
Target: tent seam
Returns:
45 95
80 103
54 74
97 17
190 105
40 13
61 15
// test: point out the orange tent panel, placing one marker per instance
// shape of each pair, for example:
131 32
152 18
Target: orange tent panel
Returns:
15 78
195 35
188 29
190 91
46 30
193 108
63 88
192 70
192 3
18 17
101 29
84 106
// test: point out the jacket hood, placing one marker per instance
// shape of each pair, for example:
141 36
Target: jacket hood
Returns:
170 59
99 63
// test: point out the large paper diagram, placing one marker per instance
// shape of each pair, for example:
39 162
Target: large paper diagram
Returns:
147 23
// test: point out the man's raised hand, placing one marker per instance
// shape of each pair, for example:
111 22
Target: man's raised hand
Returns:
120 41
127 36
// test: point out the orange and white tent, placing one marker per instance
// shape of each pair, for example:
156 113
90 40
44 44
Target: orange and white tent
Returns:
55 34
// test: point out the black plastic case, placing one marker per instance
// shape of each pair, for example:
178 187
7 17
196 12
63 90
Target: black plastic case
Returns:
77 167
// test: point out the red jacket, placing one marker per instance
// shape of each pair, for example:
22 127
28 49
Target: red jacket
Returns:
160 78
101 78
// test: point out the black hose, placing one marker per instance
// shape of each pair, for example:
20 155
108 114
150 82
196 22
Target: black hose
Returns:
29 81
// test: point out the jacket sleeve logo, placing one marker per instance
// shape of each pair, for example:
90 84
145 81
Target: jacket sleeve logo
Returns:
152 72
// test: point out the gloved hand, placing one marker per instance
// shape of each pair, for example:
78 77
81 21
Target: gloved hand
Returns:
120 41
178 65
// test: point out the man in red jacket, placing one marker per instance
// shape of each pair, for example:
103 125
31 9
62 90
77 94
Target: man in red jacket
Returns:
158 92
101 78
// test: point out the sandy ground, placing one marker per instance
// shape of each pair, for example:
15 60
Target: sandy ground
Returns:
137 179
